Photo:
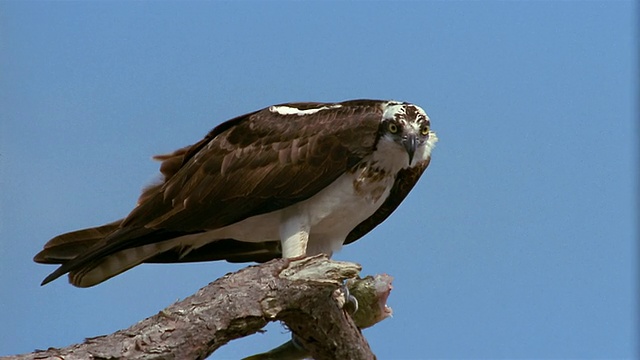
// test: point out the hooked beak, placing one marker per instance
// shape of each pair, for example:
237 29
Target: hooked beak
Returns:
410 143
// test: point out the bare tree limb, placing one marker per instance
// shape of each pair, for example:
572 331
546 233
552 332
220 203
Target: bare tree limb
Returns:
301 293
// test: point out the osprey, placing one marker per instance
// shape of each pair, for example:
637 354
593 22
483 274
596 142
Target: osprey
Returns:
289 180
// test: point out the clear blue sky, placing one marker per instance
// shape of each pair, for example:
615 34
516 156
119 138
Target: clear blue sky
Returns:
519 242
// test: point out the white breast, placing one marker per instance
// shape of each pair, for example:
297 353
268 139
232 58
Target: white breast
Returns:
339 208
331 214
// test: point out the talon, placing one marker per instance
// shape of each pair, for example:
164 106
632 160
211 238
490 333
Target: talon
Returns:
350 301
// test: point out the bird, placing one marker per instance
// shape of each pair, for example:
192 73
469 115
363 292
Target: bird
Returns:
289 180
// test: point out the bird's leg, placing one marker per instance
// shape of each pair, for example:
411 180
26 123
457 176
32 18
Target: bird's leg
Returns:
294 233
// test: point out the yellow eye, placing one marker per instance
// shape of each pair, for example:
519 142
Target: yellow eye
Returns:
424 130
392 127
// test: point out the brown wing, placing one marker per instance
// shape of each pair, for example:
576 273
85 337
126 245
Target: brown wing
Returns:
258 163
250 165
237 251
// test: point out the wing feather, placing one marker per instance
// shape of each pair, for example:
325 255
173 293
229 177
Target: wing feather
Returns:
237 251
243 171
250 165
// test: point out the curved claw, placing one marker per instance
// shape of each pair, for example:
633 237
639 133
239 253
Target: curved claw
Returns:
350 301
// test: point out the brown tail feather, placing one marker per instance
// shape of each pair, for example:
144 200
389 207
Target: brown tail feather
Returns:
93 255
65 247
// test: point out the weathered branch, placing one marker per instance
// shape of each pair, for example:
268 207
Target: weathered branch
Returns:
301 293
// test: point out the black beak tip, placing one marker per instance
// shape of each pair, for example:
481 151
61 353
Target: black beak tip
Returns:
410 144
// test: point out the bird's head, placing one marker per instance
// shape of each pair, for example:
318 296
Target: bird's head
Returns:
406 130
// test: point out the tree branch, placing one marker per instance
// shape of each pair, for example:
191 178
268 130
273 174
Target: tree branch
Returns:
304 294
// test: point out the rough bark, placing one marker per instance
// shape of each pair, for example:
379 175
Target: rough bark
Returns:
302 293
